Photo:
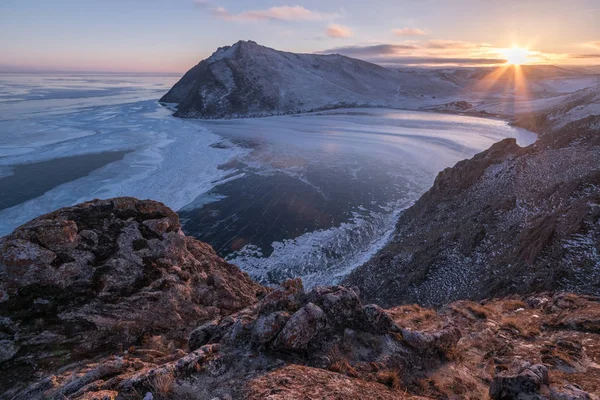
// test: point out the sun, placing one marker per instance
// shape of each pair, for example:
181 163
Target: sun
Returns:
516 55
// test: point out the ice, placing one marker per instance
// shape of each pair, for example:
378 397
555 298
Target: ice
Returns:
169 160
386 158
369 164
5 171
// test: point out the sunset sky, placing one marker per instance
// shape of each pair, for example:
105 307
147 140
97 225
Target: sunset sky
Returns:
171 36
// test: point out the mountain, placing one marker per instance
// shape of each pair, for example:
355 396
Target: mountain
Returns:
247 79
509 220
250 80
109 300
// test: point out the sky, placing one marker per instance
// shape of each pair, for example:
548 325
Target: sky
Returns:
170 36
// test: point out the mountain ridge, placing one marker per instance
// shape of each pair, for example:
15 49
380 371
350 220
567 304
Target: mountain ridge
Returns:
250 80
509 220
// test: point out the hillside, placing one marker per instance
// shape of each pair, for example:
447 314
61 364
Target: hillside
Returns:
247 79
510 220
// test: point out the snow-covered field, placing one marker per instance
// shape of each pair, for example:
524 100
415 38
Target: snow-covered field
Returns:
311 195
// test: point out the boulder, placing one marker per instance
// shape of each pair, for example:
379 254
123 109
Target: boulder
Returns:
341 305
376 320
288 297
526 380
267 327
301 328
440 341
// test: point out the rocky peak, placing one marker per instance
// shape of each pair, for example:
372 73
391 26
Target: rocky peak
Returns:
102 276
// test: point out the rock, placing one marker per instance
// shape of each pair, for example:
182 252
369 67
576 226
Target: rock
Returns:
288 297
301 328
341 305
438 341
202 335
376 320
99 276
526 381
8 349
570 392
267 327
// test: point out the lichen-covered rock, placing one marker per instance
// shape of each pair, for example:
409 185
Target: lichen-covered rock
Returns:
267 327
376 320
100 276
523 383
341 304
289 297
301 328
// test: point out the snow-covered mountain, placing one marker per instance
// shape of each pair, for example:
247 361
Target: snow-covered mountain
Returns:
247 79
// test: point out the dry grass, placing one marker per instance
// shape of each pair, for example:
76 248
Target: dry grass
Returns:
340 364
414 316
389 378
523 326
478 311
344 367
162 385
454 384
512 305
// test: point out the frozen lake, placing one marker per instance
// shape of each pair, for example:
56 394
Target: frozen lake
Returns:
312 195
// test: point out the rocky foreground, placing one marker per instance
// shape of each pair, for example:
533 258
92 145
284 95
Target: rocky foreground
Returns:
109 300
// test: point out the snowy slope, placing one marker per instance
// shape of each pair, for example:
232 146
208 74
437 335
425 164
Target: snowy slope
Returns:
247 79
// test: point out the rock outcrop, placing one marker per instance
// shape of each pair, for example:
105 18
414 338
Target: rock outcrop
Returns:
517 348
509 220
102 276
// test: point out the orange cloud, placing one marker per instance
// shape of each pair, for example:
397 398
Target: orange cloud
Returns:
595 44
338 31
409 32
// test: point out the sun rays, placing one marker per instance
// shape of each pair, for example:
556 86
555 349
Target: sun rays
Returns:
516 55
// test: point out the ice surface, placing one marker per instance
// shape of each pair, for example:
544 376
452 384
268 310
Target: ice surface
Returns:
334 182
170 160
384 159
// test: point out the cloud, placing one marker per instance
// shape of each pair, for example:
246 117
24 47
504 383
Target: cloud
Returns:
463 61
595 44
591 55
433 52
339 31
409 32
283 13
372 50
451 44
